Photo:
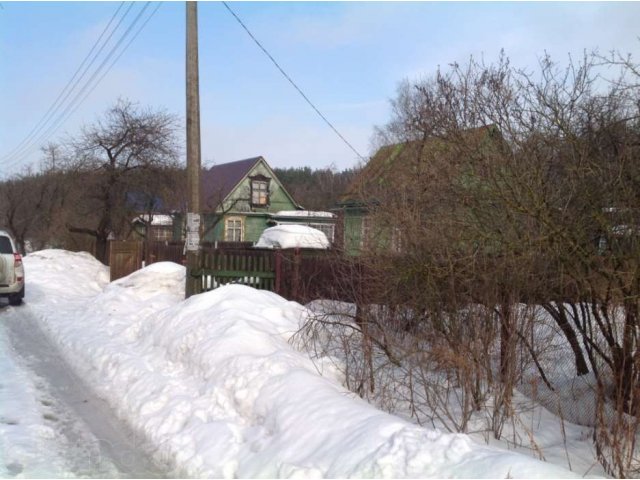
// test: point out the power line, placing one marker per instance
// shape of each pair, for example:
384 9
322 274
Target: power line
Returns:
76 102
88 88
291 81
58 102
119 55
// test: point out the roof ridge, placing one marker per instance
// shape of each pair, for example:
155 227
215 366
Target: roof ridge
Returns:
252 159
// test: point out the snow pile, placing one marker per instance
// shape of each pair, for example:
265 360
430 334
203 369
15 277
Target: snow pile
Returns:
293 236
541 422
215 385
59 276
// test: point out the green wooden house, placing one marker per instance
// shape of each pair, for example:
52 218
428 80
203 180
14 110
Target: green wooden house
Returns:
391 169
239 200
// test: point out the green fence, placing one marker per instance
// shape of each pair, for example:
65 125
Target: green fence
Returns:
254 268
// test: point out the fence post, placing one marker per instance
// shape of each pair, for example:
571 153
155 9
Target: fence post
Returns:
278 279
295 280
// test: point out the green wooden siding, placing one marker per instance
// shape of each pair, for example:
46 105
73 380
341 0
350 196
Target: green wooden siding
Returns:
253 227
212 231
353 231
238 199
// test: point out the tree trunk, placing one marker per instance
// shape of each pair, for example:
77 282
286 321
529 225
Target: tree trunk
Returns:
559 314
507 345
367 352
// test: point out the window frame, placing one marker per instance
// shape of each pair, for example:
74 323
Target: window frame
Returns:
329 229
263 193
366 232
228 229
161 233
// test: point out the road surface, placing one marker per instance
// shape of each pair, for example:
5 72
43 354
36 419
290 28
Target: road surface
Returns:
96 443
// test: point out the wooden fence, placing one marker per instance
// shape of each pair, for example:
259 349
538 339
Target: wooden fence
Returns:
252 267
163 252
125 257
296 274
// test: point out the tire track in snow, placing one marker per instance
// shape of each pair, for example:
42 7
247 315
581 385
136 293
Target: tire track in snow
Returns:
100 445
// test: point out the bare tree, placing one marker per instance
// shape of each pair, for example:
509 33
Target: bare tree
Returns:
106 159
499 192
31 205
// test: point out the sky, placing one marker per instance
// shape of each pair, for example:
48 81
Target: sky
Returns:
347 57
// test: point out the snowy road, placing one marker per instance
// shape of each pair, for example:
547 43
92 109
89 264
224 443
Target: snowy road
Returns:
75 433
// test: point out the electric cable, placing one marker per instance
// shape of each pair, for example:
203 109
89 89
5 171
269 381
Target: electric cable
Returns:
58 122
90 85
58 102
257 42
119 55
77 101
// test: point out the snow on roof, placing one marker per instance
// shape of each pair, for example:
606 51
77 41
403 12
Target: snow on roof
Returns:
304 213
156 220
215 387
293 236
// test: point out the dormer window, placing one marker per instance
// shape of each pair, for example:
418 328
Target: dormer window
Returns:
260 191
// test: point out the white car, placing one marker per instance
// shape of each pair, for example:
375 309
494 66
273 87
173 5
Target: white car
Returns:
11 270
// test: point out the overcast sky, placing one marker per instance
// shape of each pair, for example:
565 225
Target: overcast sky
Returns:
348 57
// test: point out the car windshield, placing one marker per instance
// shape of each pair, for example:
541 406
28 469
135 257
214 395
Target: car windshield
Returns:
5 245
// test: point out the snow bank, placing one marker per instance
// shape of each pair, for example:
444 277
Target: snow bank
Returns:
293 236
215 385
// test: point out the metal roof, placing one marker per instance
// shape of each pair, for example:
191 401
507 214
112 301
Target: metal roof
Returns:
218 181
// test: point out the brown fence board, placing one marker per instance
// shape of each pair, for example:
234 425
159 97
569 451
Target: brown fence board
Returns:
125 257
245 266
300 275
163 252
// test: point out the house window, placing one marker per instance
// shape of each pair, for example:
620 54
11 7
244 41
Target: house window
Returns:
259 191
396 240
233 229
161 234
327 228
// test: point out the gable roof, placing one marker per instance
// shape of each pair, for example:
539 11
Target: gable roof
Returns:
393 164
219 181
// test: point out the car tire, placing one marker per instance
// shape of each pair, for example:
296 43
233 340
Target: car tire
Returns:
16 298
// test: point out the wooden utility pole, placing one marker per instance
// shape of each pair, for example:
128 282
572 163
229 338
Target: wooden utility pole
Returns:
194 228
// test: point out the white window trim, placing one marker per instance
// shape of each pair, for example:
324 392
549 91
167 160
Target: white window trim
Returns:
259 187
366 231
226 228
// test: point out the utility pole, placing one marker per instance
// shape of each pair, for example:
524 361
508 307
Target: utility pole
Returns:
194 227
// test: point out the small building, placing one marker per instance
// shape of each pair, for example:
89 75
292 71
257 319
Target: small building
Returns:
154 227
153 221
